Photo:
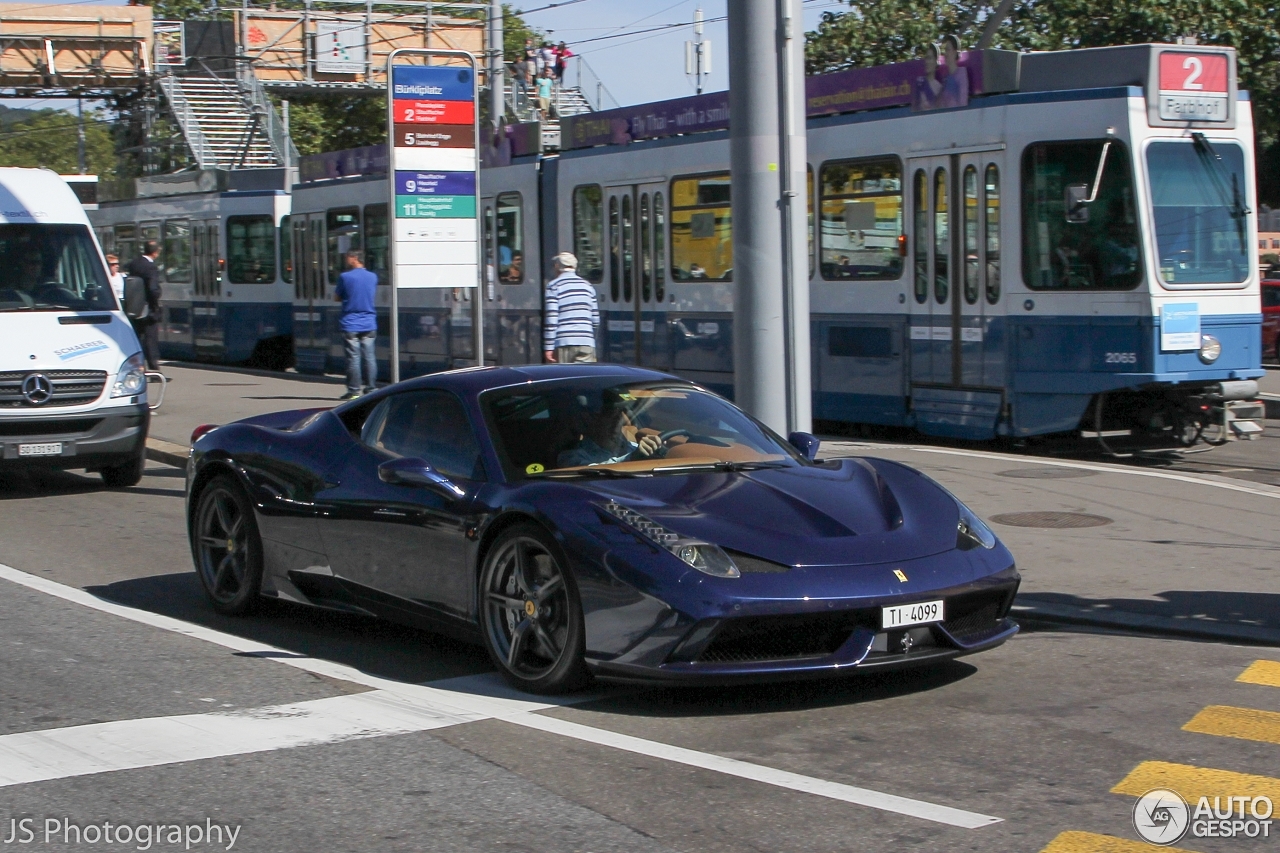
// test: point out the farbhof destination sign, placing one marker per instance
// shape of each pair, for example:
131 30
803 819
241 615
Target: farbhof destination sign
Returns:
433 166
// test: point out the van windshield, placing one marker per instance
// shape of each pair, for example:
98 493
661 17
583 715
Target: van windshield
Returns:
51 268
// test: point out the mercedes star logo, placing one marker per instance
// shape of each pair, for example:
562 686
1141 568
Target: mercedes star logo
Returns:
37 389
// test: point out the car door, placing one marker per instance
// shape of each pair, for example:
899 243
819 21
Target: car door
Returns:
407 541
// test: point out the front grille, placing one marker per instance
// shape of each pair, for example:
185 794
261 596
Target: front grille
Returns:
761 638
70 388
44 426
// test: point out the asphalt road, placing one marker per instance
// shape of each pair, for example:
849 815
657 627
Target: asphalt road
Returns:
315 732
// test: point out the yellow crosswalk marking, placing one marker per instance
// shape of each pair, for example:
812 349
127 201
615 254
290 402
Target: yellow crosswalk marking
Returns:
1243 723
1196 782
1089 842
1265 672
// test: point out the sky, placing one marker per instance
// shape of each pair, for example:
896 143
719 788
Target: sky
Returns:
626 44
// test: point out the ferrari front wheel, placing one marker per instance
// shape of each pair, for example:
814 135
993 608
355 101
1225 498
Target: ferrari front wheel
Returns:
530 614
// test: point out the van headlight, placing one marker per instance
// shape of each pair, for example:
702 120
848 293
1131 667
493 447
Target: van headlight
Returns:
132 377
972 532
1210 349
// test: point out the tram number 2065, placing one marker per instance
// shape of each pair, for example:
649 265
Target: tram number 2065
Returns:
1121 358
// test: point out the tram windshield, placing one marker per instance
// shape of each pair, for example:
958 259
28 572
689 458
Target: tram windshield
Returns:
1198 195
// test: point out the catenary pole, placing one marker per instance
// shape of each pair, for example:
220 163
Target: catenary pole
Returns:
767 157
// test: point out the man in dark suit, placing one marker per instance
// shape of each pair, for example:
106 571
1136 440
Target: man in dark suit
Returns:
144 267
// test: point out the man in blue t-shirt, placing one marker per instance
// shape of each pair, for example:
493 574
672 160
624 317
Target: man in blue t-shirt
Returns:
356 290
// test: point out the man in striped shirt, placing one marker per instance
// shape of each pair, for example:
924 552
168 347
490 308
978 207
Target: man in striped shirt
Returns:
572 314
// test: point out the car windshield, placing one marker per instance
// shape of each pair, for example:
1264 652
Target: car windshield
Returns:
51 268
599 427
1198 192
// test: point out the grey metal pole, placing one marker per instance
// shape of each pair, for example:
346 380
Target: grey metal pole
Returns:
770 339
497 83
80 158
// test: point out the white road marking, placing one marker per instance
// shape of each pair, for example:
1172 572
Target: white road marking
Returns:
437 704
1258 489
129 744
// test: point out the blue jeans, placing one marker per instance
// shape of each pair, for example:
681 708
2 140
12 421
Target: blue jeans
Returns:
360 354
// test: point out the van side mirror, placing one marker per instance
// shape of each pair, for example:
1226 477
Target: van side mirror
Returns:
807 444
412 471
135 297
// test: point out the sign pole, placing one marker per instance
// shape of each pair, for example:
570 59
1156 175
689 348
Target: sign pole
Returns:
433 134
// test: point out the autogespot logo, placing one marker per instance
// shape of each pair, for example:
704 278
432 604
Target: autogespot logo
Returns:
1161 816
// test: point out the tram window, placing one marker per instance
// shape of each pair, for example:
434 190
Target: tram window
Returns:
1097 247
148 231
991 196
659 248
809 199
628 248
177 250
107 237
970 234
251 249
701 229
342 233
588 233
376 240
286 250
615 250
646 255
510 234
861 219
1199 192
126 240
920 221
941 237
490 274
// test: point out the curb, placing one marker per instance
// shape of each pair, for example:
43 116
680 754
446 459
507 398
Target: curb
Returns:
257 371
1033 611
166 452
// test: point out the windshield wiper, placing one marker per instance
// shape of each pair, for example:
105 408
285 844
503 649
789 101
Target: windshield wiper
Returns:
585 472
717 466
1214 165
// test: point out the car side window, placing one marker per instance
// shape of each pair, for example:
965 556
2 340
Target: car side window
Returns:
429 425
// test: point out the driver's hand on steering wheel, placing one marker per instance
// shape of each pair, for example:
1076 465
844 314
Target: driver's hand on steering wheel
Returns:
648 443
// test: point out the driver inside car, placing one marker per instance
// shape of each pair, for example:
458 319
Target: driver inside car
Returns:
609 436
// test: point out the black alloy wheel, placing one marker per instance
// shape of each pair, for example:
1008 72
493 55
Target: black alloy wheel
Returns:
530 613
227 547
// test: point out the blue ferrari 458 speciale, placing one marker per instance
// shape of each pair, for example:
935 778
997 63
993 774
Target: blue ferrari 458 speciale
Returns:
603 520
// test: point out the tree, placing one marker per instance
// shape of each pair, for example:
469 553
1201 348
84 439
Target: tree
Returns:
873 32
48 140
514 33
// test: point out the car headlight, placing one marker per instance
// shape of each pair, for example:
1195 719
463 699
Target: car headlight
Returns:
972 532
132 377
703 556
1210 349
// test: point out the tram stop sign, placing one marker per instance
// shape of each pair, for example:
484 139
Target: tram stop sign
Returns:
434 161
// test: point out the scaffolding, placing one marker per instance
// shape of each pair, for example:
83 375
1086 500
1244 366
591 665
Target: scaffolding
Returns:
73 50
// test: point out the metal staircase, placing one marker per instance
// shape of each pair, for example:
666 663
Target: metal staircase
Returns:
566 101
228 123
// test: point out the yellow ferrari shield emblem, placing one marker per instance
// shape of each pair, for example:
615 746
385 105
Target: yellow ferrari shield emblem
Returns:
533 468
900 575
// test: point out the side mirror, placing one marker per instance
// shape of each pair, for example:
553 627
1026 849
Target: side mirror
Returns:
412 471
135 297
807 444
1077 203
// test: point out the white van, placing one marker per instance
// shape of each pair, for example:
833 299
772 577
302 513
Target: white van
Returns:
73 387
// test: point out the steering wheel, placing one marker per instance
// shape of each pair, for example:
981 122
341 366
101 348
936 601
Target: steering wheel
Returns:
672 433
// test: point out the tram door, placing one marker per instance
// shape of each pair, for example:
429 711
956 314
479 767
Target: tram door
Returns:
636 275
206 275
955 257
308 281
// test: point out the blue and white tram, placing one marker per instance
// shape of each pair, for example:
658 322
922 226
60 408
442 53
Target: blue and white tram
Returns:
1057 258
333 216
226 286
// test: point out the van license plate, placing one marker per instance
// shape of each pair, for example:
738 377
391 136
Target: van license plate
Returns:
920 613
52 448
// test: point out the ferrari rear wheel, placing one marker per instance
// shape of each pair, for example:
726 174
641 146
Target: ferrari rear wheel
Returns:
530 613
227 547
